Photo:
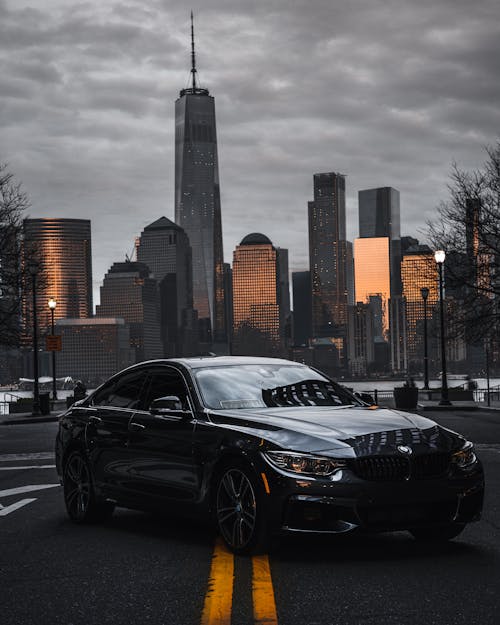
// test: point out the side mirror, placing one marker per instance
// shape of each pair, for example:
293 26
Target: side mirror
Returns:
169 406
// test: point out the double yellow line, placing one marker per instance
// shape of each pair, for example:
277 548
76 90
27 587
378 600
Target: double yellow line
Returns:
219 597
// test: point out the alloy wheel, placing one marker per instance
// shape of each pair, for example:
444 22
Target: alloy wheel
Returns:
77 487
236 509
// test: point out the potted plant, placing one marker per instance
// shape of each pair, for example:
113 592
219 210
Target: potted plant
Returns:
406 396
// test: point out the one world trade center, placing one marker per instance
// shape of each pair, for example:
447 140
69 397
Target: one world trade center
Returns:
197 201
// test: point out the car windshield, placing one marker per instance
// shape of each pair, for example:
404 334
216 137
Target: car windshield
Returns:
268 385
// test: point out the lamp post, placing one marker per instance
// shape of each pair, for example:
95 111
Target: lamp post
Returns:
439 257
33 269
52 303
424 291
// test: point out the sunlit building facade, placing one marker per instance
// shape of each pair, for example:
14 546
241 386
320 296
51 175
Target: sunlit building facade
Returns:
418 270
197 204
63 249
329 255
129 292
257 298
373 275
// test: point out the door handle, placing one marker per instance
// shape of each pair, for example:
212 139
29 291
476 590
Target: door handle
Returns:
95 419
136 426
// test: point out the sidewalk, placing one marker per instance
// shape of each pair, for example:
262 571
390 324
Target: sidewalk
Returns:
27 417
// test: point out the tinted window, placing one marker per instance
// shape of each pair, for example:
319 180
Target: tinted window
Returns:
167 382
125 392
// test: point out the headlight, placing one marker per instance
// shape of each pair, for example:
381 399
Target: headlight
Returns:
304 464
465 457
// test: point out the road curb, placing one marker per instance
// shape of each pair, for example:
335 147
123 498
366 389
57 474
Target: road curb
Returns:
32 420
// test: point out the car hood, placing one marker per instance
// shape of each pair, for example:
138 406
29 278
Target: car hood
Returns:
347 431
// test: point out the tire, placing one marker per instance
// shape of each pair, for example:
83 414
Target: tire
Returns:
438 533
239 510
81 502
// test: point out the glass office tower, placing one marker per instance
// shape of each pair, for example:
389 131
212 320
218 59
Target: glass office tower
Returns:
197 203
63 249
259 302
329 256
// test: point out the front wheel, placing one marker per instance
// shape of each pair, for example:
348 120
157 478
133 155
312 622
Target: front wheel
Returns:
79 495
239 511
438 532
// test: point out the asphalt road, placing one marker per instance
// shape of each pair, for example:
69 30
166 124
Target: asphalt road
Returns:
139 568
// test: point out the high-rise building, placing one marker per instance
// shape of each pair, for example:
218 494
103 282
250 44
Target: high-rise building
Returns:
329 257
164 247
197 202
63 250
129 292
302 307
418 270
257 298
93 349
379 216
372 270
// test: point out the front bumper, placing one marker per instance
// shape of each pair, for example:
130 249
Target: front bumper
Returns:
345 503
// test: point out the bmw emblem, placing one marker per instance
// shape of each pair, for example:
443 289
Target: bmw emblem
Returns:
404 449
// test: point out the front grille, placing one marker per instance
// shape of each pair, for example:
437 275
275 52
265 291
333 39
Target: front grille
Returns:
395 468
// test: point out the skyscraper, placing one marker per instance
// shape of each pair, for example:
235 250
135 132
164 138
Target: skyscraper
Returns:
379 216
418 270
329 256
197 201
302 307
63 249
258 300
372 270
129 292
164 247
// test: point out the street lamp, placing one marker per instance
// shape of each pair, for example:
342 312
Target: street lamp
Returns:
424 291
439 257
33 269
52 303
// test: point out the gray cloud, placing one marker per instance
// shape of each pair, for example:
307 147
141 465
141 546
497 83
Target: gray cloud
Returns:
388 92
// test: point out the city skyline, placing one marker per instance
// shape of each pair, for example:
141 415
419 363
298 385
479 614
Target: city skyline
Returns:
88 108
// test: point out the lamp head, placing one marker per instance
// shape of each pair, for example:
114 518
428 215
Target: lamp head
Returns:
33 267
52 303
424 291
439 256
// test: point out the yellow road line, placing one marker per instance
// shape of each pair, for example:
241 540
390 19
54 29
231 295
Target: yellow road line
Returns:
219 597
264 606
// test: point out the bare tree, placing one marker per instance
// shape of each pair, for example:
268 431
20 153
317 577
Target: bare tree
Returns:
467 227
13 204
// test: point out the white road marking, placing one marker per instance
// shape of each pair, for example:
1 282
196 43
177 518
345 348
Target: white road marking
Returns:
15 506
34 466
25 489
42 455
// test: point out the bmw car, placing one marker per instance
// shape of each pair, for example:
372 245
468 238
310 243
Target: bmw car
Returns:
262 447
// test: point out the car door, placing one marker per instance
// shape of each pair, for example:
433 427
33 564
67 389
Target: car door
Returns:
161 446
108 430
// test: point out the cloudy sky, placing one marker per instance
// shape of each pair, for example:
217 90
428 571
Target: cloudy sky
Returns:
388 92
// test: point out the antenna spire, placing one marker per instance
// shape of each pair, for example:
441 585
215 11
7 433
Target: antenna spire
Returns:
193 56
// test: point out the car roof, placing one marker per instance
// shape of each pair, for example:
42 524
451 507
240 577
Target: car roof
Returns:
198 362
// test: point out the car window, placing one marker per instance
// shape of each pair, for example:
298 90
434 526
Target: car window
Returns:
265 386
124 392
167 382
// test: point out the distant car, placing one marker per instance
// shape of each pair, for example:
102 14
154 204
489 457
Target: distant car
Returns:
263 446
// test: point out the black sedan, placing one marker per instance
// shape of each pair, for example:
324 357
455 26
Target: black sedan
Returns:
263 446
